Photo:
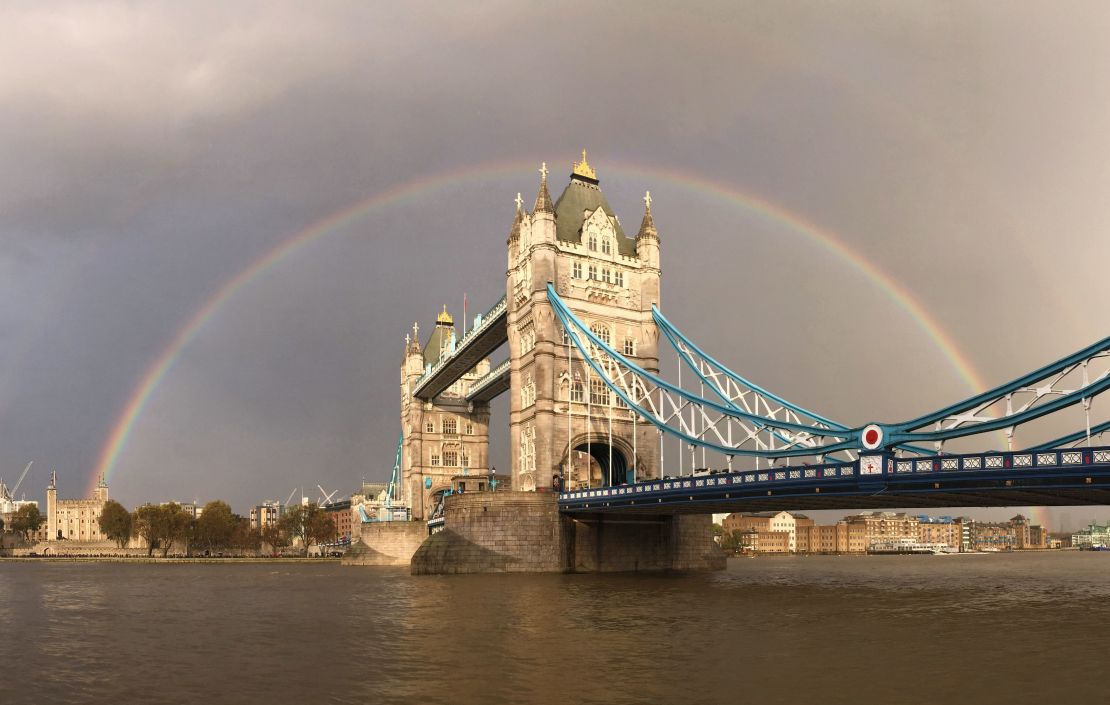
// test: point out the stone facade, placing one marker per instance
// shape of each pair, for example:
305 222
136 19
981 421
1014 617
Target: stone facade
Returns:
558 405
503 532
386 543
75 519
443 437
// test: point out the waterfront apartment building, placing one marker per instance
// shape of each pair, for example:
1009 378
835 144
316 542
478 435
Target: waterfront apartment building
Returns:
1028 536
885 527
1093 535
992 536
755 541
841 537
768 522
952 532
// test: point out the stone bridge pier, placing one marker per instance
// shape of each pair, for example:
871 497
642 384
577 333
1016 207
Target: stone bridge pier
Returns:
505 532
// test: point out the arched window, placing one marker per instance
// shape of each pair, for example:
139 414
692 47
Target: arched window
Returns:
577 393
605 246
599 392
593 242
602 331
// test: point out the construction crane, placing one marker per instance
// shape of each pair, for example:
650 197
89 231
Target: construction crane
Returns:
326 497
290 497
20 481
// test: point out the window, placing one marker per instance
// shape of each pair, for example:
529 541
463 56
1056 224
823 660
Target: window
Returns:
450 425
593 271
599 392
430 427
469 428
527 340
618 278
565 336
593 242
435 460
602 331
464 459
605 275
450 458
629 346
577 270
605 246
577 393
527 450
528 393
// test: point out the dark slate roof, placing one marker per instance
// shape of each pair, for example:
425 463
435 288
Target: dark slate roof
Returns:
440 335
583 195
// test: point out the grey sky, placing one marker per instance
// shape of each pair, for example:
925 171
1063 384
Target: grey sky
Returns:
149 152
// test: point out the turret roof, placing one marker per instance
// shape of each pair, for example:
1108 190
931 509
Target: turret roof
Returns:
581 197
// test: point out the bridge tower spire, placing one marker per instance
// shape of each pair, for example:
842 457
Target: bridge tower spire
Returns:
557 418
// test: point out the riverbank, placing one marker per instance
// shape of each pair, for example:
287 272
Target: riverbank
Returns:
157 559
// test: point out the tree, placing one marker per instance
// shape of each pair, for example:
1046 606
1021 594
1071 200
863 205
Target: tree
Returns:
27 520
162 526
274 536
216 526
308 523
244 537
146 523
115 522
175 526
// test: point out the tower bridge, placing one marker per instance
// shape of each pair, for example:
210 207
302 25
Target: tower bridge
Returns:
591 417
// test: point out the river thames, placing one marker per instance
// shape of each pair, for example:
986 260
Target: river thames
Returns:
1016 628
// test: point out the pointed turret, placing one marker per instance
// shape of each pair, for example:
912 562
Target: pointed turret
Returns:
647 225
514 232
543 198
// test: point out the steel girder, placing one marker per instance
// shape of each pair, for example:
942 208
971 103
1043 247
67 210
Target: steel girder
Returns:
724 427
1075 379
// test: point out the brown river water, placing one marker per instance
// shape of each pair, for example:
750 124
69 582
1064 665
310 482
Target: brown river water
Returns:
1016 628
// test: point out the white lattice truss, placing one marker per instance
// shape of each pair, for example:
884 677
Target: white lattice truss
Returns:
1022 403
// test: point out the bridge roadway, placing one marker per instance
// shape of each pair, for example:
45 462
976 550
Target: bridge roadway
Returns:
1062 477
489 333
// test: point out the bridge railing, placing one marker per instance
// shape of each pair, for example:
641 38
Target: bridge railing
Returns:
484 321
1004 464
489 378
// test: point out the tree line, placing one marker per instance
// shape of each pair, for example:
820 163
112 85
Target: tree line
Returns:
164 526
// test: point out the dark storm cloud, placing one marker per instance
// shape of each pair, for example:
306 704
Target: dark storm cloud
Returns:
150 152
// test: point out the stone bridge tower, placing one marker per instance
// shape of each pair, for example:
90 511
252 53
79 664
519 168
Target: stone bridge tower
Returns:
445 437
564 422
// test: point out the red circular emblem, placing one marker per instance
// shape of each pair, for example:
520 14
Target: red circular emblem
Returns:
871 437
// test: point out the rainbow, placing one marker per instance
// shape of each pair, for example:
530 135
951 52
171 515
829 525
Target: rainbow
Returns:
418 188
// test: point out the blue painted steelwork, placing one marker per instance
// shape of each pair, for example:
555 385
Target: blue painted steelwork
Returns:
821 436
575 328
497 376
683 346
687 349
1073 437
395 476
977 474
965 419
495 315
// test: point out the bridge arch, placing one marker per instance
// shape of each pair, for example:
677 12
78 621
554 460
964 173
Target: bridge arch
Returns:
609 460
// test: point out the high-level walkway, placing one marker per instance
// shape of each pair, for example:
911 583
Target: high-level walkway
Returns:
488 334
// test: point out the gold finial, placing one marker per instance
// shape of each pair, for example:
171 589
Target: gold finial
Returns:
519 201
647 200
445 318
583 168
